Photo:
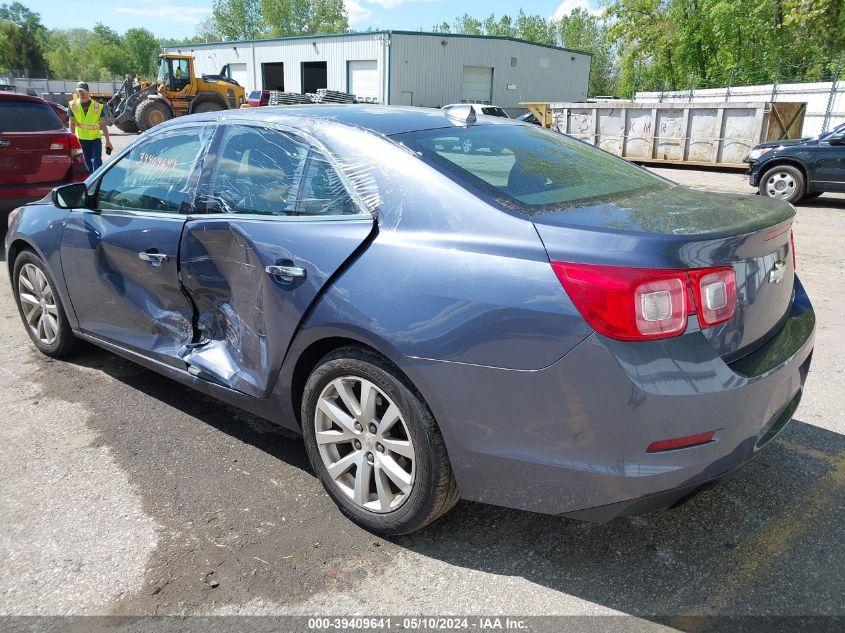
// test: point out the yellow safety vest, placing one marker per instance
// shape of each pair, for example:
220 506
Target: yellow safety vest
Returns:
87 123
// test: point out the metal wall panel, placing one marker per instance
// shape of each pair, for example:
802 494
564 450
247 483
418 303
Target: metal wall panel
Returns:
427 70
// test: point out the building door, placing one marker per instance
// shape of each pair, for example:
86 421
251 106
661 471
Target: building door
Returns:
238 73
273 76
477 84
314 76
362 78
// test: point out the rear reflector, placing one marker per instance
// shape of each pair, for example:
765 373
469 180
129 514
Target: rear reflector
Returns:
681 442
637 304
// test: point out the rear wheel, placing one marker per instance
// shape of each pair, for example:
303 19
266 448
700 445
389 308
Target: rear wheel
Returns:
40 307
208 106
783 181
375 445
150 113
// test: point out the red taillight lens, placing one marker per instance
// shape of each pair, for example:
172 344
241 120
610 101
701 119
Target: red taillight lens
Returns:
637 304
681 442
715 294
76 149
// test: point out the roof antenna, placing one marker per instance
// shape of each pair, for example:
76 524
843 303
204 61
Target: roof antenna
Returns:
463 113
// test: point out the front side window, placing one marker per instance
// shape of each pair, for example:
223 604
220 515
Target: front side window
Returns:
526 168
266 172
155 175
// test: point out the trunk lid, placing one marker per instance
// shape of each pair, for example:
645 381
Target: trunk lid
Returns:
679 228
34 157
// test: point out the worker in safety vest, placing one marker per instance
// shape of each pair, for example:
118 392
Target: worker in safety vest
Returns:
86 121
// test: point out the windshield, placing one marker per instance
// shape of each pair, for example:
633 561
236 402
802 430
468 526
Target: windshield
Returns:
837 130
529 169
163 76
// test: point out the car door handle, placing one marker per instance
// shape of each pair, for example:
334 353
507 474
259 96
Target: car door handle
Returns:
154 258
285 271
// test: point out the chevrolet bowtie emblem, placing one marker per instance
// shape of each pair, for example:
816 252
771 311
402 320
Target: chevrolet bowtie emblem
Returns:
777 272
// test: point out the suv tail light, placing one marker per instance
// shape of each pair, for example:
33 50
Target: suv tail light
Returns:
637 304
76 149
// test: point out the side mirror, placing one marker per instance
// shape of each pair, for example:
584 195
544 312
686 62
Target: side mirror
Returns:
73 196
837 139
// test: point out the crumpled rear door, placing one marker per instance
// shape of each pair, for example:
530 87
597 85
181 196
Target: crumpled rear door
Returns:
245 316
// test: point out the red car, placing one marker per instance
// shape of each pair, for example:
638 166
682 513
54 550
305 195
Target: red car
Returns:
37 152
258 98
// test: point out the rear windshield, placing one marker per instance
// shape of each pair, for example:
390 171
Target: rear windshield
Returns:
27 116
528 168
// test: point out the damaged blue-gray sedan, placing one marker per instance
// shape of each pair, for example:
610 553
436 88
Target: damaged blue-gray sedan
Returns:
445 306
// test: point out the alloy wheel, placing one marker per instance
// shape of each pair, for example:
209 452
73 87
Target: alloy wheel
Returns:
364 444
38 304
780 184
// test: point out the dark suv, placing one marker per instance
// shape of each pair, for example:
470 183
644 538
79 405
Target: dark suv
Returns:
806 168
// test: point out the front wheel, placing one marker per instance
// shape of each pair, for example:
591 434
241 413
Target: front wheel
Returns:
150 113
784 182
375 445
40 307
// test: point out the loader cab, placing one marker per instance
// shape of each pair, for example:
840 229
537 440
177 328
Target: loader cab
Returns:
175 72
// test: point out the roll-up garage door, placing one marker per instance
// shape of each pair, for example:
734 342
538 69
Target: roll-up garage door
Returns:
238 73
363 78
477 84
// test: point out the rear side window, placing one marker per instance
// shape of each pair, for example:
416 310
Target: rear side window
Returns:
267 172
156 175
529 169
27 116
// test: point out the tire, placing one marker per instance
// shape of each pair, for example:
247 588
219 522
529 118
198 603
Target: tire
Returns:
391 502
784 182
49 329
130 127
208 106
150 113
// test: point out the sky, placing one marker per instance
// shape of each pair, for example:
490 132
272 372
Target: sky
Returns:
178 18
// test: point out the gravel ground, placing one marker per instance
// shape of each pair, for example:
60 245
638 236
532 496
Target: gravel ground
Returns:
124 493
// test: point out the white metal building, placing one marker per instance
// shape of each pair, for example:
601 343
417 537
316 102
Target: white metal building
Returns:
403 67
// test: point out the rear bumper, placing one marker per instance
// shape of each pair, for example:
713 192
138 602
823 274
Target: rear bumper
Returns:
571 439
13 196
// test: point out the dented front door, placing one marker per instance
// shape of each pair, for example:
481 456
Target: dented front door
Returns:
120 257
279 223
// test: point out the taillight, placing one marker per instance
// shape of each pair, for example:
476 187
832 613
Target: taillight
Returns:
715 294
637 304
76 149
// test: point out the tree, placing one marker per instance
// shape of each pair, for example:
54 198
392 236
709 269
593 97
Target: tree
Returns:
21 34
141 48
468 25
238 19
583 31
327 16
535 28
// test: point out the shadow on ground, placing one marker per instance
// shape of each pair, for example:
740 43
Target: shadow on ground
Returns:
766 541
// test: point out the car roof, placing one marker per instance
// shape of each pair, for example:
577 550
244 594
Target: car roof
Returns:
17 96
386 120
